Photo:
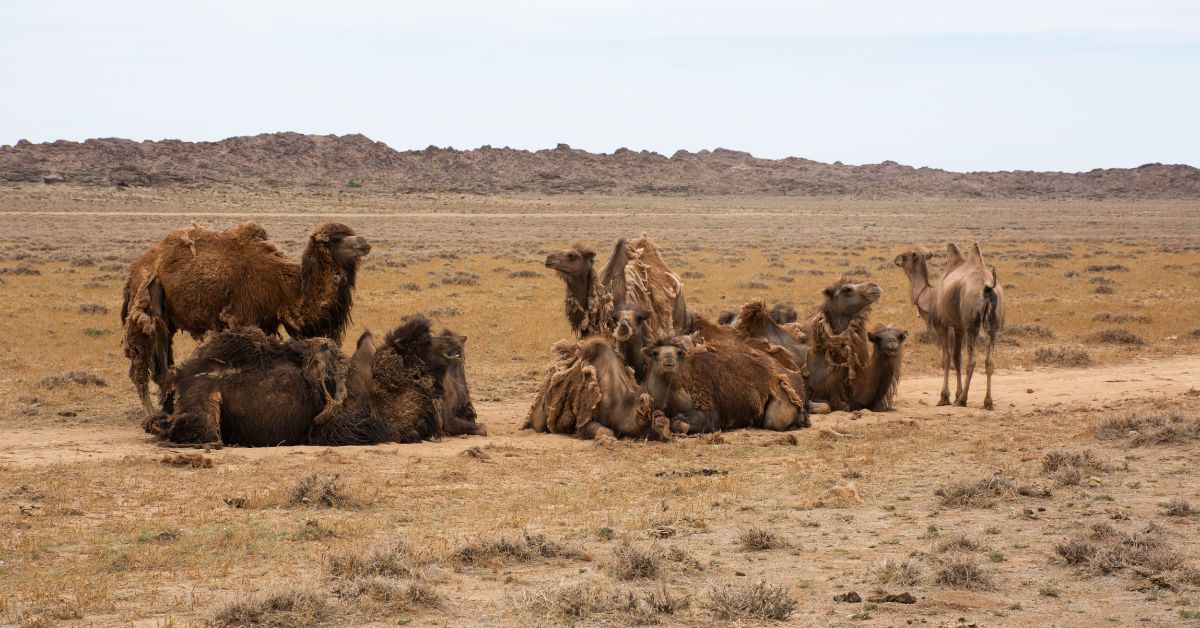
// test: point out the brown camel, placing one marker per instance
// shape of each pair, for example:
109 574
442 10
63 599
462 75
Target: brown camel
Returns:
631 335
735 382
665 357
876 389
838 348
755 321
970 300
589 392
783 314
198 280
636 273
243 387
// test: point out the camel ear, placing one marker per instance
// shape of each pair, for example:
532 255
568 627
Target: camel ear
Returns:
462 340
928 255
827 292
648 351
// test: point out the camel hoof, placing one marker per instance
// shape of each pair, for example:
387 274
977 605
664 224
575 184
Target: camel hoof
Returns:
960 404
818 407
988 405
944 401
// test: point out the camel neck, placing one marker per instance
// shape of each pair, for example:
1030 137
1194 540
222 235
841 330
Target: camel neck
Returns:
581 288
918 285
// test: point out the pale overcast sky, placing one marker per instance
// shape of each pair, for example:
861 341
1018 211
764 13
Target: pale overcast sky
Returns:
1014 84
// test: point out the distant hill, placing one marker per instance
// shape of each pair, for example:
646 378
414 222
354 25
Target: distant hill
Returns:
296 160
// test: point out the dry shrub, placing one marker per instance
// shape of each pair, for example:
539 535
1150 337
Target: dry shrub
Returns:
288 607
1153 427
980 493
962 572
1116 336
523 546
1106 268
1062 356
759 539
593 597
79 378
957 543
323 492
524 274
903 572
692 274
1106 550
195 461
754 601
1069 469
390 595
92 308
1177 507
631 563
1109 317
1027 331
390 559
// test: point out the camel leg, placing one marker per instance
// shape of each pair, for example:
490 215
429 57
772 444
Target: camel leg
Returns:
956 355
780 415
961 400
594 430
945 338
989 366
537 417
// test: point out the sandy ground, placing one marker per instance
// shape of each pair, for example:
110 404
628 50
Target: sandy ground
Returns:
1025 392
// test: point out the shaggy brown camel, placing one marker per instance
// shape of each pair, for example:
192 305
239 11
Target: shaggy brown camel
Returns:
243 387
734 382
589 392
838 348
970 300
635 274
198 280
755 321
876 389
632 335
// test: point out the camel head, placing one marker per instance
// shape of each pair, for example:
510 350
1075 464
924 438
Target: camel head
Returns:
888 340
628 321
782 314
344 246
912 259
726 317
666 355
848 299
447 349
574 262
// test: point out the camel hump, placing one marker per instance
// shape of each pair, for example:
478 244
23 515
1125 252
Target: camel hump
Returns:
954 256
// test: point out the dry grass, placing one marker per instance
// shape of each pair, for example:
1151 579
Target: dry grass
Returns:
286 607
755 601
1146 552
981 493
316 491
1152 427
758 539
903 572
522 546
1117 336
1062 356
963 572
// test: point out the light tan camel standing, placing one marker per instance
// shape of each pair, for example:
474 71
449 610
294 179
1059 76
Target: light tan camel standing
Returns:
969 300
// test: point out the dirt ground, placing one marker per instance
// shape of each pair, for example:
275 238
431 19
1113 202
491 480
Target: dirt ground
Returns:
1075 502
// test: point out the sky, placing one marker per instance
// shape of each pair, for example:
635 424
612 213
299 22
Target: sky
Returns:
957 84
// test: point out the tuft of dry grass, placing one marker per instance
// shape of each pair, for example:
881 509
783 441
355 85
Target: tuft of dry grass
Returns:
962 572
524 546
957 543
755 601
323 492
903 572
583 600
389 559
1109 317
1106 550
1177 507
1117 336
631 562
1070 468
758 539
1062 356
981 493
1152 427
286 607
389 595
79 378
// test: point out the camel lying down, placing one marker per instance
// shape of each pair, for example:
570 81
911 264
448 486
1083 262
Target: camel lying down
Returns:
718 383
243 387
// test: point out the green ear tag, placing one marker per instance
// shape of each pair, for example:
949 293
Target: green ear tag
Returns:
592 262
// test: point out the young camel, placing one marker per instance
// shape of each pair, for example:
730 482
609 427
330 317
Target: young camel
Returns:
969 300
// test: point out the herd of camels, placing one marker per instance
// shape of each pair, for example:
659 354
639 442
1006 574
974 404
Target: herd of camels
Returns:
640 365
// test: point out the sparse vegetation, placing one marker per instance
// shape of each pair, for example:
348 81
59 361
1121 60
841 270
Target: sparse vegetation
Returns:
903 572
754 601
287 607
981 493
758 539
962 572
1062 356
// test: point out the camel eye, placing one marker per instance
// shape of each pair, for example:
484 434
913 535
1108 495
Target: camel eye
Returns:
572 256
846 290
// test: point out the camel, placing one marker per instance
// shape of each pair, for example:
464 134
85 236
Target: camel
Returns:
838 348
589 392
970 300
755 321
198 280
730 383
243 387
635 274
876 389
631 335
783 314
